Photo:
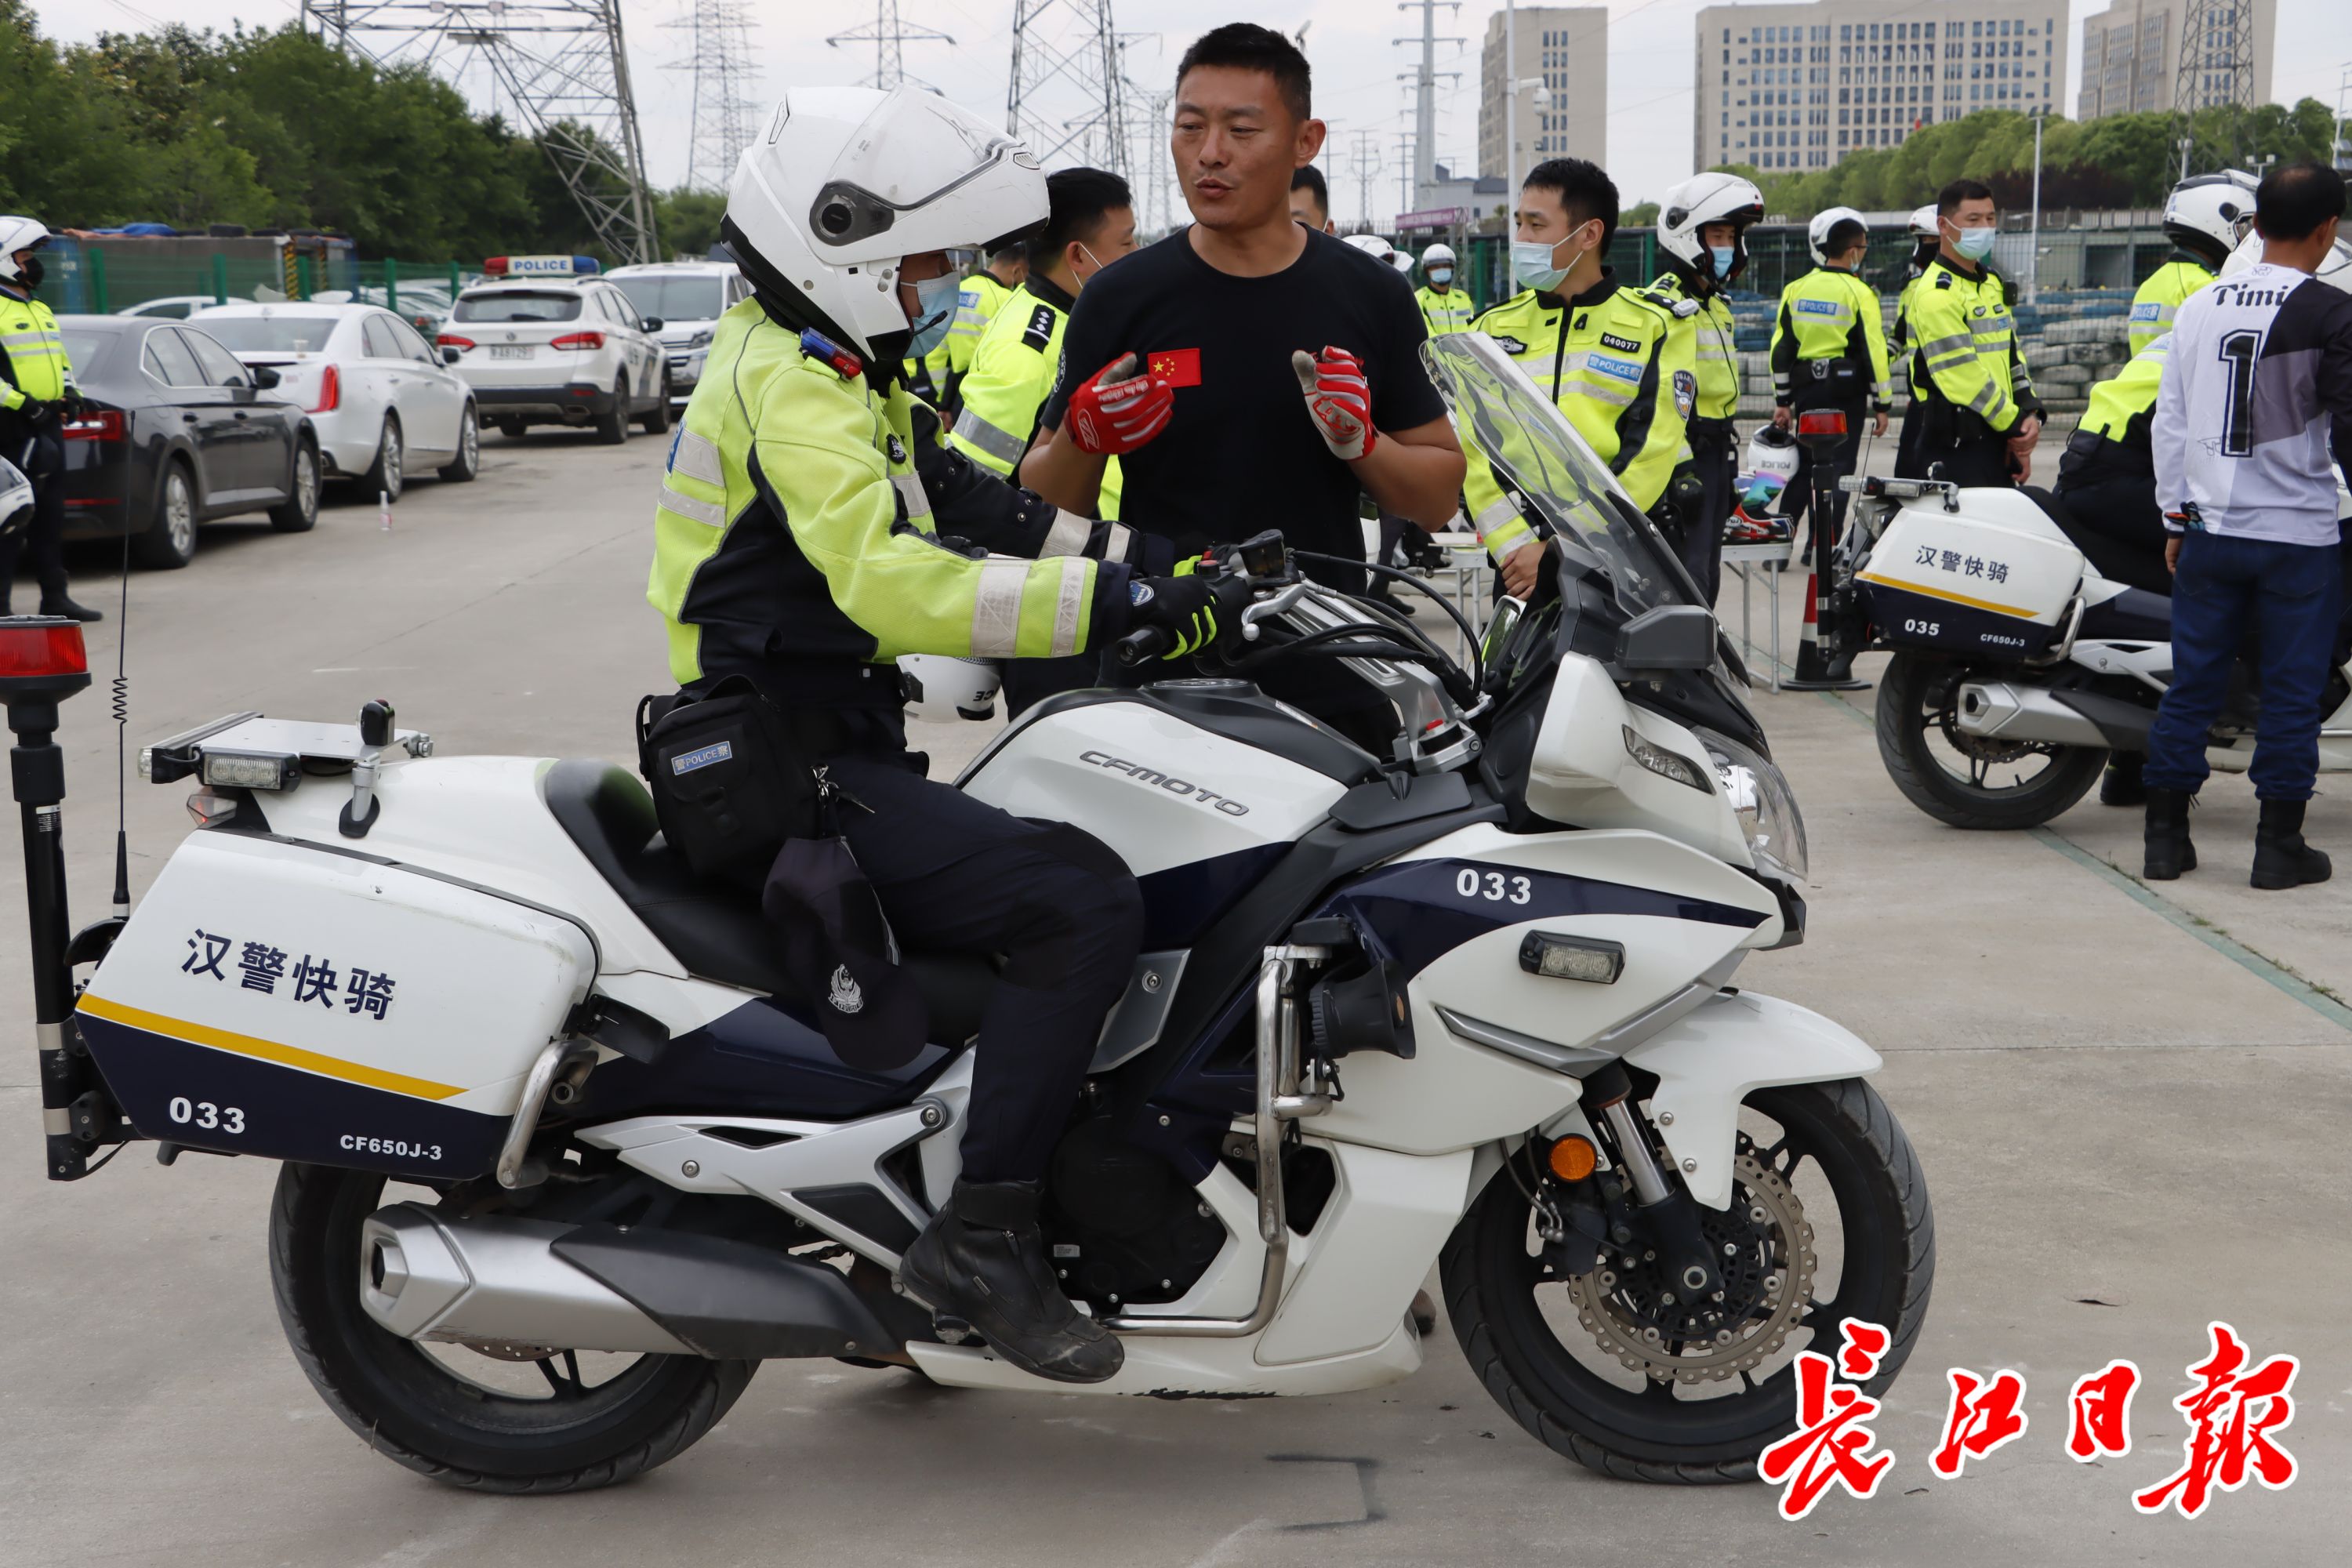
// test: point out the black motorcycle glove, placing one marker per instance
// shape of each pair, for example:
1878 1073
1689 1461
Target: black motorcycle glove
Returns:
1189 608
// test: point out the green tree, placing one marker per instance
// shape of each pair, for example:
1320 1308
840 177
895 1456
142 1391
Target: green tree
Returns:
688 221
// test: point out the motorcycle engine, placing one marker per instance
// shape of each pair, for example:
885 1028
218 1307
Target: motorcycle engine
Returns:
1121 1225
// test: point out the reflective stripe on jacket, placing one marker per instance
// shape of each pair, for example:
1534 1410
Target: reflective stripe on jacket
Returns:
1828 315
2159 299
797 542
1624 378
1011 373
1964 350
32 353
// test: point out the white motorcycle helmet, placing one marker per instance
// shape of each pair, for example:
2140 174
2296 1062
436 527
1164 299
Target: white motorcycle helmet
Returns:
1926 238
1702 200
1437 255
849 181
944 689
1373 246
2208 215
1817 233
1401 260
16 498
19 234
1772 456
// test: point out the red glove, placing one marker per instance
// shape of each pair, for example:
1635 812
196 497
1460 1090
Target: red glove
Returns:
1338 399
1117 410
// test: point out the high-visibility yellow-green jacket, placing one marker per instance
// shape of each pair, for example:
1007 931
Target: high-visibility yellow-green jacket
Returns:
977 303
2158 300
797 542
1964 349
1708 322
1829 315
1627 382
1449 312
1011 372
2121 405
32 353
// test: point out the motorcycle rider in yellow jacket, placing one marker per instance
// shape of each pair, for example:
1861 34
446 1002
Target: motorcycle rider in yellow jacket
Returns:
2205 218
803 540
1607 353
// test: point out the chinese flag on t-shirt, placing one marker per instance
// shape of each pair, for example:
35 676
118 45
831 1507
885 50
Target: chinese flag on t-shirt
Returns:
1177 367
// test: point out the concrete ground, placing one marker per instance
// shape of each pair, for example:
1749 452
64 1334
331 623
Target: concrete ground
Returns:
2128 1103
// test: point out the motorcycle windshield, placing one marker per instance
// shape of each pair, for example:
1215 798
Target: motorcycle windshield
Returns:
1504 420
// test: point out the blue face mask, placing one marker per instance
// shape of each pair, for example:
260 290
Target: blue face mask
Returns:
935 305
1440 274
1725 256
1531 265
1975 244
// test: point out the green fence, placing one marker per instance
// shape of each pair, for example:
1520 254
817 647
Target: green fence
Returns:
99 277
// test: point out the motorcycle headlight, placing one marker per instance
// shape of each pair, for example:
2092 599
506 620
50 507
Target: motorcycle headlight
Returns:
1767 808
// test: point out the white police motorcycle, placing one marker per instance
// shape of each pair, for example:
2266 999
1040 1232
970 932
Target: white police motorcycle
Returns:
566 1156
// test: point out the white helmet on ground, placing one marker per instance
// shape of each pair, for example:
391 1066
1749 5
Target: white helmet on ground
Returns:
1817 233
1437 255
1702 200
2209 214
944 688
19 234
1373 246
849 181
15 496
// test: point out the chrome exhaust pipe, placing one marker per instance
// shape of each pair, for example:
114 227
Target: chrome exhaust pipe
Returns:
2003 709
492 1279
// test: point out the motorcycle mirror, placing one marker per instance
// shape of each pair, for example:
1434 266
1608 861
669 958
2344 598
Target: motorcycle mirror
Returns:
1669 636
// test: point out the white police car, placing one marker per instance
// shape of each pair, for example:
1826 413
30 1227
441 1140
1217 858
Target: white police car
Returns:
688 297
543 340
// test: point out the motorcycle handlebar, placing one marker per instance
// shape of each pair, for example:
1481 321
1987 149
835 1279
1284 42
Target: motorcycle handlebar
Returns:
1136 646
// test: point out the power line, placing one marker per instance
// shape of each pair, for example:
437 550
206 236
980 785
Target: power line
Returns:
1067 93
720 56
889 37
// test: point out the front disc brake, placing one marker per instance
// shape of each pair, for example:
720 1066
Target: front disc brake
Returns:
1629 1308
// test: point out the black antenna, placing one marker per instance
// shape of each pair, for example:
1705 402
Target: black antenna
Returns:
122 745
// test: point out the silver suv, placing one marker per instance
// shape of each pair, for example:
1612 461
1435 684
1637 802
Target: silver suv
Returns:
689 297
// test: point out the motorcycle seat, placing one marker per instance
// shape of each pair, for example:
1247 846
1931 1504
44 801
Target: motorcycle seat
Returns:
715 931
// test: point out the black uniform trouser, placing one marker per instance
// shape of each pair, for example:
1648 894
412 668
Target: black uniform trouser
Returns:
1029 681
1825 466
1908 440
1715 458
41 455
954 875
2110 497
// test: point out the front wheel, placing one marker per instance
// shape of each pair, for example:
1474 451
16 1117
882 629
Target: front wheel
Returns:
1970 781
496 1417
1828 1220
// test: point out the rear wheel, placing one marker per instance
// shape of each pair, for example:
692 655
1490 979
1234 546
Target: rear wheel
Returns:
613 425
1828 1220
388 473
298 512
1970 781
468 460
170 541
500 1418
656 418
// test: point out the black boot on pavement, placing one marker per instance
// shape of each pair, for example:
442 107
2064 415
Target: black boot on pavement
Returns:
2281 859
70 610
2120 786
2170 853
983 1260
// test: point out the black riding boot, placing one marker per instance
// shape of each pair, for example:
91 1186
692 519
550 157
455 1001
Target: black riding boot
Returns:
2120 786
983 1260
2281 859
2170 853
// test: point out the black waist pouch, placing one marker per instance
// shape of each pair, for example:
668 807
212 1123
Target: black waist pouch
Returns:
729 784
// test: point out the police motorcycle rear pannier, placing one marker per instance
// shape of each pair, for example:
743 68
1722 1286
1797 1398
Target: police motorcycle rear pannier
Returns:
1995 579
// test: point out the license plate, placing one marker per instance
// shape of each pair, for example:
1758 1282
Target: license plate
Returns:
521 351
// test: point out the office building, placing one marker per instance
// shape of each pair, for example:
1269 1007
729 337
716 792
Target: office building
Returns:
1791 88
1566 48
2131 55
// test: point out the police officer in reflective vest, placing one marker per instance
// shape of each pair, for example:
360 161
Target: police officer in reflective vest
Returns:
1926 242
37 396
1702 240
1978 414
802 541
2205 218
1443 305
1829 350
1091 224
979 299
1606 353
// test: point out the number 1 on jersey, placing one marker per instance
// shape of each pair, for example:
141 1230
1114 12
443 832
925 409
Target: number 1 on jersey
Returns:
2239 352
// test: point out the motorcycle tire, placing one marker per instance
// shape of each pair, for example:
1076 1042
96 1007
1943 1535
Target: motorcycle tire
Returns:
1903 724
414 1409
1496 1284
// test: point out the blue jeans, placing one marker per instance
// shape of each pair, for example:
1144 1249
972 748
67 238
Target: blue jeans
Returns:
2286 597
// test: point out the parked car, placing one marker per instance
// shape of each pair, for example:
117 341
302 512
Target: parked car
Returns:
688 297
176 433
170 306
384 402
547 342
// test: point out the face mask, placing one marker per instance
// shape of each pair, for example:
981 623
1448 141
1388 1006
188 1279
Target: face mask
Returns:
935 304
1440 274
33 273
1531 265
1725 255
1974 243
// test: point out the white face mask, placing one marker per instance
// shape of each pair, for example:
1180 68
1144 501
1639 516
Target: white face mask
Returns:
1533 264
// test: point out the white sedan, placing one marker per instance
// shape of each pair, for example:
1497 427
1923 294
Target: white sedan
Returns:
385 404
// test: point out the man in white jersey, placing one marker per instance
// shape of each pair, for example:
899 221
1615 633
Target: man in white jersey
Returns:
2258 381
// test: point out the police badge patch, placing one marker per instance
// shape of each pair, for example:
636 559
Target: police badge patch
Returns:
1511 346
1685 392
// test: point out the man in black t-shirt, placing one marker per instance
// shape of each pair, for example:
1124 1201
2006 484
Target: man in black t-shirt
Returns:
1249 373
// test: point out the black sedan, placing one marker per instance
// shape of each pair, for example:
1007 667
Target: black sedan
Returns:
177 433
